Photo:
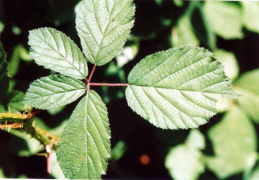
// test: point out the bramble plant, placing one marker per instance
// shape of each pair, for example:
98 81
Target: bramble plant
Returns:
173 89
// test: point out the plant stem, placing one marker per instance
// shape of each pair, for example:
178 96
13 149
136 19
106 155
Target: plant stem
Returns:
34 113
90 77
109 84
14 126
10 117
92 72
41 135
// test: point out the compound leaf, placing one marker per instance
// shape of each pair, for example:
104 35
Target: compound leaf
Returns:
177 88
103 27
54 91
54 50
85 142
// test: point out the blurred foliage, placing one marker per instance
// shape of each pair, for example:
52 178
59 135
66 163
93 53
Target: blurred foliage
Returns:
225 148
185 161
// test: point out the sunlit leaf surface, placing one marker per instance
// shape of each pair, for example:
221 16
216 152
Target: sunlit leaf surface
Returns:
54 50
177 88
103 27
54 91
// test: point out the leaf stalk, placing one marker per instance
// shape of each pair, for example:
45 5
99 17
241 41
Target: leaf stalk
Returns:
91 74
109 84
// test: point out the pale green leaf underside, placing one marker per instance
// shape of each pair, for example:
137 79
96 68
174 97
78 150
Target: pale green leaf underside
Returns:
54 50
195 140
85 142
224 18
248 85
249 81
177 88
234 142
251 15
103 27
183 33
53 91
185 161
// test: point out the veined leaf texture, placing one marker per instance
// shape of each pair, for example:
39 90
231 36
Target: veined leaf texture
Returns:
103 27
54 91
177 88
85 142
54 50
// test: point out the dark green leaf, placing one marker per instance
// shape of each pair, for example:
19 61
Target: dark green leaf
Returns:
85 142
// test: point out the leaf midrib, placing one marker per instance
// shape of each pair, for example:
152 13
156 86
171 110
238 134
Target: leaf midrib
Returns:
157 67
105 33
41 96
184 90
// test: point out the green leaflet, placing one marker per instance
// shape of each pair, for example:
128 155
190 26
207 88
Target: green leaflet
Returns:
16 103
54 50
56 172
85 142
54 91
229 62
185 161
225 18
248 87
103 27
177 88
19 52
183 33
249 81
234 142
251 15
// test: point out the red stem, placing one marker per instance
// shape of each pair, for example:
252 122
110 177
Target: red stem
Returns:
109 84
92 72
86 80
34 113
